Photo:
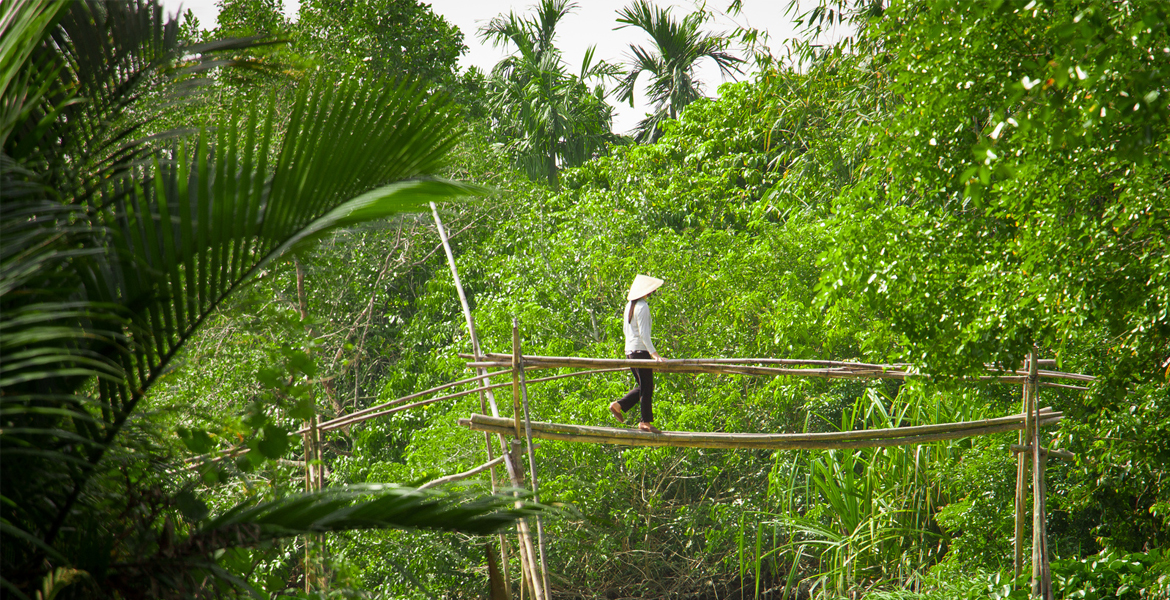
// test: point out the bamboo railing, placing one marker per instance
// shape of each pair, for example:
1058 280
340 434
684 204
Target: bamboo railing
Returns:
824 369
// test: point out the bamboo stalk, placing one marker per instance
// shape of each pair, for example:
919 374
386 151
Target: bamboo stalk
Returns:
851 366
1045 569
669 367
1037 483
627 437
354 416
464 475
825 436
509 462
773 361
339 423
516 376
840 370
531 455
1021 488
1065 454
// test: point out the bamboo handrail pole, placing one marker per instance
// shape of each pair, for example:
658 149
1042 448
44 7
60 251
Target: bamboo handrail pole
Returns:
339 423
673 366
464 475
350 420
509 464
849 367
669 366
859 434
1079 388
1058 453
669 439
1051 374
362 415
773 361
732 370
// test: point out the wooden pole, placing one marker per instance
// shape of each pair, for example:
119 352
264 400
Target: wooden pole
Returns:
531 453
898 436
464 475
509 462
1021 483
746 366
519 409
1039 558
1045 570
516 410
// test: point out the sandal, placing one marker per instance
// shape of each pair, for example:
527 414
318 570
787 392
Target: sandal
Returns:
616 410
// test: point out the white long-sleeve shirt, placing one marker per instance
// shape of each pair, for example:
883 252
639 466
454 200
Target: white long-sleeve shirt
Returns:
637 330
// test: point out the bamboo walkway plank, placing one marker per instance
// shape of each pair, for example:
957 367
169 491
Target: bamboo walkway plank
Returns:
871 438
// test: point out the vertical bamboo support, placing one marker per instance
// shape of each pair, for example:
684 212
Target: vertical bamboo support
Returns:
307 453
509 459
531 453
1022 474
1041 575
518 409
1045 570
313 480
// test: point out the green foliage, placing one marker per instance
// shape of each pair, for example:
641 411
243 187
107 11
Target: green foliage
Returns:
1014 200
1113 574
117 247
383 39
801 215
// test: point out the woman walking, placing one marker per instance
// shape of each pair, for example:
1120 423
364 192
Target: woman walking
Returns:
636 325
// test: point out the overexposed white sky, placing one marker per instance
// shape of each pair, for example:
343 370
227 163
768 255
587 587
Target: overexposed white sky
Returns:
592 23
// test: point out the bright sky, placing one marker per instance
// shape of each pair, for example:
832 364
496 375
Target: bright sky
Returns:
592 23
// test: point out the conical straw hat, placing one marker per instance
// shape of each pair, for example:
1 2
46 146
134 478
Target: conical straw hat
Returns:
643 284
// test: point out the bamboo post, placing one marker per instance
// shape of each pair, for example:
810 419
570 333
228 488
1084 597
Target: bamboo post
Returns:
311 441
509 463
1037 482
520 407
1021 480
531 454
516 410
1045 570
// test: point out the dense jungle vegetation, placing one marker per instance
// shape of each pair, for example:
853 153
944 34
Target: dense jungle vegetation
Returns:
212 233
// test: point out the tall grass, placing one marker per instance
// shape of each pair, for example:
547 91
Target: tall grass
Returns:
855 519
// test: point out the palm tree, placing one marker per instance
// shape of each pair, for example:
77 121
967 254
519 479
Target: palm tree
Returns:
678 46
550 118
116 243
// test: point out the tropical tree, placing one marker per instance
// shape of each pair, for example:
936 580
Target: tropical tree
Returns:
380 38
115 246
550 118
678 47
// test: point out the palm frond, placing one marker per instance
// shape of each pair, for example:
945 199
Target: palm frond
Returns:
115 246
368 506
678 45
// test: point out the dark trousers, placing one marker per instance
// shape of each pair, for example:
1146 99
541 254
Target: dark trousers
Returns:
643 391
